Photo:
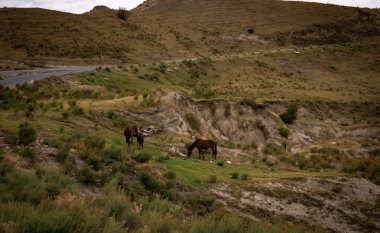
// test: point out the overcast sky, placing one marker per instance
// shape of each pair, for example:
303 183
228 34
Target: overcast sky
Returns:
80 6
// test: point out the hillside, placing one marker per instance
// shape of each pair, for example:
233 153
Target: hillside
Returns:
288 92
167 29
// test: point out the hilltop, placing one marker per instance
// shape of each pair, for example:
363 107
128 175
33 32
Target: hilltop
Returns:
167 29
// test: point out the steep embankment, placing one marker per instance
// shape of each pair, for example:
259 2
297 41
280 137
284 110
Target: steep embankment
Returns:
247 123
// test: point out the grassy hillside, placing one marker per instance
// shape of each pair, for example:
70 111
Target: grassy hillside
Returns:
289 91
165 29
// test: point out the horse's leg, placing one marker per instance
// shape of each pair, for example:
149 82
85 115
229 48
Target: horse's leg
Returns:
199 153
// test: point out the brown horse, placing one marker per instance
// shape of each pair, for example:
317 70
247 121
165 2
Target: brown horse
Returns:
202 144
129 132
140 139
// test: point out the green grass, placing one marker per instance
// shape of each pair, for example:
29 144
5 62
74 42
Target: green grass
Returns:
197 172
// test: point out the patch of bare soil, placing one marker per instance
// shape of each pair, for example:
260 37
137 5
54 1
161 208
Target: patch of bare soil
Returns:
336 204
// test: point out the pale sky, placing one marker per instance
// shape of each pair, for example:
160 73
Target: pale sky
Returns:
77 6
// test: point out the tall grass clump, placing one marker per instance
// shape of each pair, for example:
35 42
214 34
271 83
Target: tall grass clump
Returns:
94 142
142 157
26 134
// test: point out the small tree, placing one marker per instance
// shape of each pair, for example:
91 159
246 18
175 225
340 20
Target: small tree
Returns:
122 13
27 134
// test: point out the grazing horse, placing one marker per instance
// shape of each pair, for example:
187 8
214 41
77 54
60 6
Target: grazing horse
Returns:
129 132
202 144
140 139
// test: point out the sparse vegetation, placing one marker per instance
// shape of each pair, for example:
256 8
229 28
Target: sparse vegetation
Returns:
193 121
142 157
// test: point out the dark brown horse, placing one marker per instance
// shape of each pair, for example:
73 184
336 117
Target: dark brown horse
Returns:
140 139
129 132
202 144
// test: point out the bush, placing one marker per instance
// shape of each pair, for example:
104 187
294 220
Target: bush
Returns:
94 142
113 152
290 115
122 13
142 157
62 154
235 175
27 134
69 165
193 121
110 114
149 182
87 175
284 132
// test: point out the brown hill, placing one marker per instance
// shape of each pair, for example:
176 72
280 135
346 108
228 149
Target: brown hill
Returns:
170 29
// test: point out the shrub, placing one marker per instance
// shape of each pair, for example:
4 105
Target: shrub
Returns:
27 134
235 175
122 13
94 142
113 152
272 149
284 132
244 176
251 31
193 121
110 114
87 175
148 181
290 115
69 165
142 157
220 163
19 187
